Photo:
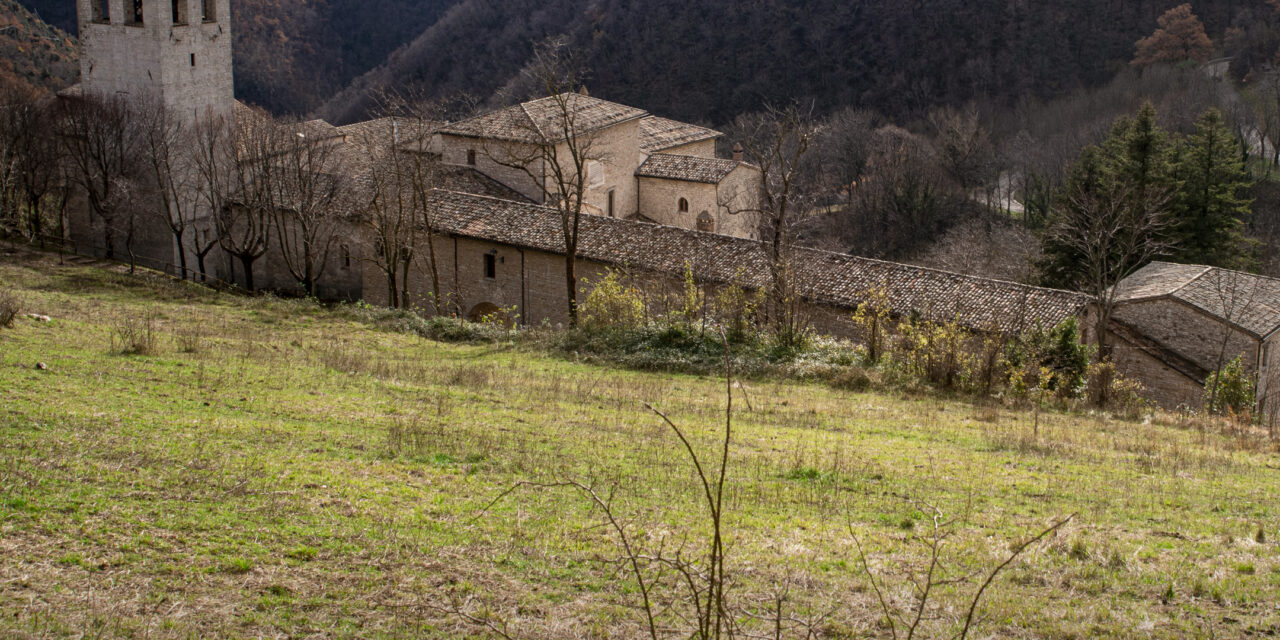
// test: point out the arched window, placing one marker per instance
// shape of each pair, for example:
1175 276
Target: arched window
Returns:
346 256
684 205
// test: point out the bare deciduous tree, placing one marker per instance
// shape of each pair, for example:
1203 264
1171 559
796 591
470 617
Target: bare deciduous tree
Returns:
100 144
166 148
30 163
559 151
395 194
235 184
307 182
1112 229
779 141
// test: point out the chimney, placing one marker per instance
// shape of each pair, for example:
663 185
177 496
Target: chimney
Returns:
737 151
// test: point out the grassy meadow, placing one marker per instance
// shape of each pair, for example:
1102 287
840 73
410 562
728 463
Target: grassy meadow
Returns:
176 462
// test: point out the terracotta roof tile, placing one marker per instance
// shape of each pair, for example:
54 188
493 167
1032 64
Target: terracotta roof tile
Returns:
837 280
1248 301
687 168
541 120
658 134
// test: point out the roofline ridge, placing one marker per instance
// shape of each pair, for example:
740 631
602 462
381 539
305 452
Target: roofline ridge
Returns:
819 252
955 274
529 117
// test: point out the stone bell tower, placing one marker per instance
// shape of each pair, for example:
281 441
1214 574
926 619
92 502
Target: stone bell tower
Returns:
176 50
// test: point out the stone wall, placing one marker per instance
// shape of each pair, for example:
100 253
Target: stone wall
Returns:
741 193
1194 335
188 65
492 158
618 151
1164 384
660 202
702 149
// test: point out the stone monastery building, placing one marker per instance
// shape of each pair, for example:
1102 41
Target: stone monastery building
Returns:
660 203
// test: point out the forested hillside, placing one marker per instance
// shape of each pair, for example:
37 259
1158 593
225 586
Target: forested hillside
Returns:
292 55
712 59
33 54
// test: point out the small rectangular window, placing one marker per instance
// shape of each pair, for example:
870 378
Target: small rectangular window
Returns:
609 206
101 10
490 266
193 59
179 11
135 13
208 11
471 157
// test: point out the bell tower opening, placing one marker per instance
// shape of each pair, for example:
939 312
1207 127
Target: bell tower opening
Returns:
133 13
100 11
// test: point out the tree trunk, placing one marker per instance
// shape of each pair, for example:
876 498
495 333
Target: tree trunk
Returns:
182 256
246 263
571 281
200 266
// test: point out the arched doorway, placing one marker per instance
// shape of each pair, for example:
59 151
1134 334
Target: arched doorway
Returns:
482 311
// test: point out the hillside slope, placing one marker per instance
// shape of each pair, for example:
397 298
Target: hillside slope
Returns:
292 55
34 54
708 60
266 468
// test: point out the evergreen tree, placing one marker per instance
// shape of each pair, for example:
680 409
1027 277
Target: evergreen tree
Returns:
1212 207
1141 155
1135 164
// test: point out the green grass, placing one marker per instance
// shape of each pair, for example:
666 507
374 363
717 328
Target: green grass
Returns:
276 469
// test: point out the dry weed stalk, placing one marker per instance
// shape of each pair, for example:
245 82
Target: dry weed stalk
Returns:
908 620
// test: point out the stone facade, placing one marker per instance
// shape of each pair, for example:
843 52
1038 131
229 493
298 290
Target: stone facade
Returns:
1203 339
181 57
728 207
1174 325
621 140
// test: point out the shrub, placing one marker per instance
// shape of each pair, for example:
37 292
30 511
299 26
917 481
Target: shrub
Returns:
10 307
1107 389
450 329
872 318
737 311
1053 360
1229 391
936 353
136 335
613 306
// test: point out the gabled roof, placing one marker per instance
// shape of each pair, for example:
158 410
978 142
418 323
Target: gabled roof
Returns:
1247 301
659 134
687 168
827 278
542 120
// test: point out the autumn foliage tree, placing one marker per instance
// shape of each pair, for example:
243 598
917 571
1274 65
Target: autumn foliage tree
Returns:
1180 38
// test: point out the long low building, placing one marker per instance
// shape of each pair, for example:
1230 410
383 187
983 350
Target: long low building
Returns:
503 254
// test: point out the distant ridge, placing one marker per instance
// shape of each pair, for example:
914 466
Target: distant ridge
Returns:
34 54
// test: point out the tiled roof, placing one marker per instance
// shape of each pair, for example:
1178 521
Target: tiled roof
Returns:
832 279
658 134
687 168
542 120
1250 302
